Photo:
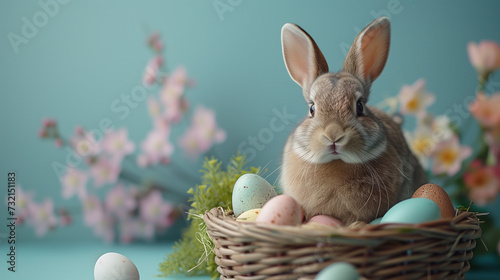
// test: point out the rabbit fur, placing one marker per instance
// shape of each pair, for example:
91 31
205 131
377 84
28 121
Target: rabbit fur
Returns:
346 159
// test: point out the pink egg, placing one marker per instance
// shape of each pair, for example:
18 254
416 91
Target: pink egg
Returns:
281 210
326 220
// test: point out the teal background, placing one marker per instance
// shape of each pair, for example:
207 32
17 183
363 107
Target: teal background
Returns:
90 53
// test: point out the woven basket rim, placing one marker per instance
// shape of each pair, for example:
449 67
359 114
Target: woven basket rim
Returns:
219 217
439 249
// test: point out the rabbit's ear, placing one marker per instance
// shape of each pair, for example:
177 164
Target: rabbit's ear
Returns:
303 59
367 56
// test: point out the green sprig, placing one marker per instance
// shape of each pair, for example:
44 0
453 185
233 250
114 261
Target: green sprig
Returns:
193 254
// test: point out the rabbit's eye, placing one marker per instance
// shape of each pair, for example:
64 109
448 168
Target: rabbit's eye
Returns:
311 110
360 108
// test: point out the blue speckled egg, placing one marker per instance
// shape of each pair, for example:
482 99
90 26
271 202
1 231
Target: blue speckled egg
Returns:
251 191
376 221
412 211
340 270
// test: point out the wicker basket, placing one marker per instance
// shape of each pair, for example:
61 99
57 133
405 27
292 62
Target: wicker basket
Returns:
434 250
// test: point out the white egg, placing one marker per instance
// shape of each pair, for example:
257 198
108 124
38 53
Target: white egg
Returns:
114 266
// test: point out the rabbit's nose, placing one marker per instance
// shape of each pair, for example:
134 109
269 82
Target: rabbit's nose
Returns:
339 139
334 133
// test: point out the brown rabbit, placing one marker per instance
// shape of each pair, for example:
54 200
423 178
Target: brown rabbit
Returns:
346 159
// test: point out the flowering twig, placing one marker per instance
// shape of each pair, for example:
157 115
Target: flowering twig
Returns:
134 207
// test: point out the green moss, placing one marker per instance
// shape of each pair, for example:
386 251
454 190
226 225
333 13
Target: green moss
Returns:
193 254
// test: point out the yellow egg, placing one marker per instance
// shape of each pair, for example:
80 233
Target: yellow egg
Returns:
439 196
249 216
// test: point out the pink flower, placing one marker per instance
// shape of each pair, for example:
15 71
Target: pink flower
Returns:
65 218
448 156
92 210
441 128
158 46
154 210
485 109
48 122
155 42
154 107
483 183
203 117
151 70
85 144
153 37
23 202
117 145
172 97
485 57
73 182
58 142
202 133
42 133
143 160
178 78
127 230
23 199
492 137
422 144
156 147
49 129
414 99
204 121
134 228
173 113
192 144
105 171
119 201
96 216
104 227
42 216
79 131
143 229
160 122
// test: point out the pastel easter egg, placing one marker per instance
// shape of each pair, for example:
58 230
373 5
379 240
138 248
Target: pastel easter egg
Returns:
251 191
249 216
114 266
376 221
326 220
412 211
281 210
339 270
438 195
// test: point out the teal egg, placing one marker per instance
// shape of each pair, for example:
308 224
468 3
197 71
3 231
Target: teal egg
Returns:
251 191
376 221
412 211
340 270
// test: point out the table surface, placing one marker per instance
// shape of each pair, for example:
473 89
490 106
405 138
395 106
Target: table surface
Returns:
44 260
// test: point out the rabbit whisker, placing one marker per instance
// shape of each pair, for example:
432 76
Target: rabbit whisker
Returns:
263 170
371 192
